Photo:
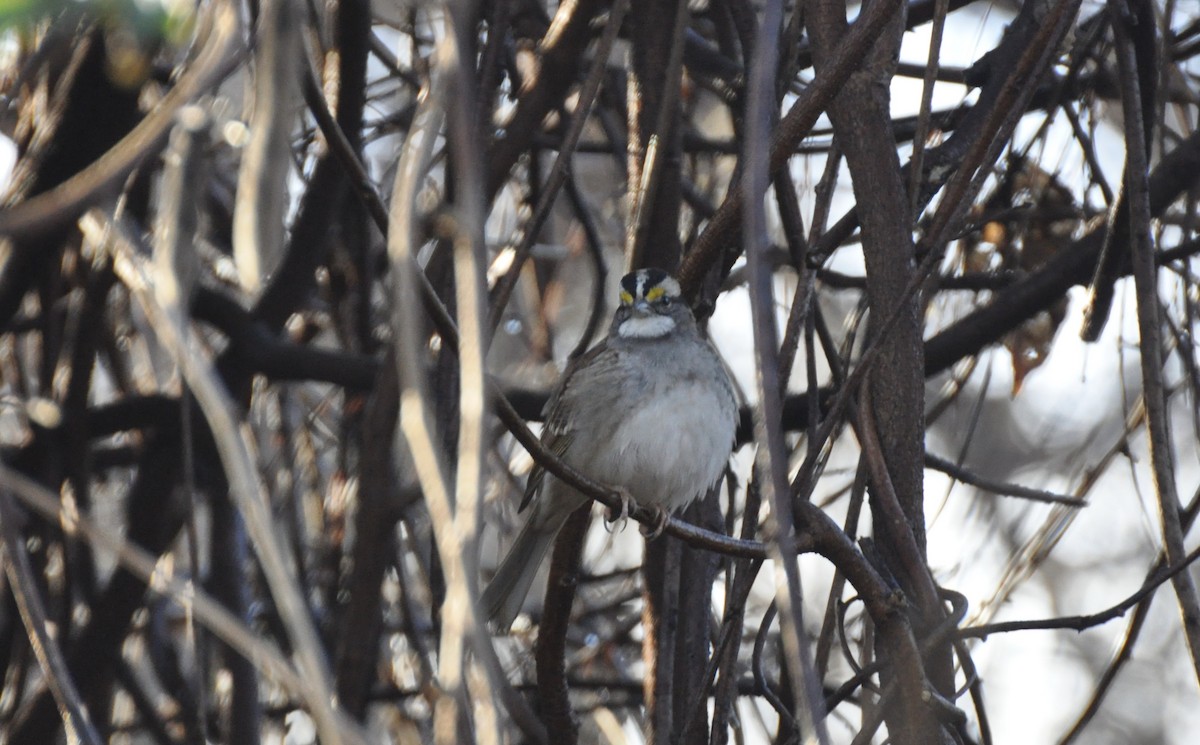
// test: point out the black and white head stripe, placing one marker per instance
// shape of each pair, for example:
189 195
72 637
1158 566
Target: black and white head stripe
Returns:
648 284
649 307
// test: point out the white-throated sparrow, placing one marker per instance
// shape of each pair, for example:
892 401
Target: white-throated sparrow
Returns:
649 410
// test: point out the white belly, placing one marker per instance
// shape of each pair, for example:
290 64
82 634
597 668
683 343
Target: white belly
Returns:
674 448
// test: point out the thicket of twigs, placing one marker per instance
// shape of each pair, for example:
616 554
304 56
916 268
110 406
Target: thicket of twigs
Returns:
255 456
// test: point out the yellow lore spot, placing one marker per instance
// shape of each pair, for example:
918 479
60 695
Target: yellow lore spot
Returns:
655 293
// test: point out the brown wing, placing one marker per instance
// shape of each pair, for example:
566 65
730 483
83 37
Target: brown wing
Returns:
557 431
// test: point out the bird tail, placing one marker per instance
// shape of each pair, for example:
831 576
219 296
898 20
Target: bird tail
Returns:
505 594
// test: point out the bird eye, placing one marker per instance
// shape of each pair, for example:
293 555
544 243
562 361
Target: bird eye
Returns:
665 301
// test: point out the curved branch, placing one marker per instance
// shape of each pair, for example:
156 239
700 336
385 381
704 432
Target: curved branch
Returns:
68 200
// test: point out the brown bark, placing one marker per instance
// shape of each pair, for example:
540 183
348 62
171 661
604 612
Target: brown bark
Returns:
862 124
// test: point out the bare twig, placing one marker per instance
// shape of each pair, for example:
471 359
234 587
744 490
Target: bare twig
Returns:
159 574
62 204
1145 274
771 463
261 202
723 227
237 454
1091 620
1011 490
560 171
33 613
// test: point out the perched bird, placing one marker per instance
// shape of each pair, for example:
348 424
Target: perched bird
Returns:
649 410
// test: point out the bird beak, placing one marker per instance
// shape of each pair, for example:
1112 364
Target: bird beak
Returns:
641 308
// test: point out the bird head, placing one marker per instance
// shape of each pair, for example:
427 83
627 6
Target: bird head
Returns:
651 307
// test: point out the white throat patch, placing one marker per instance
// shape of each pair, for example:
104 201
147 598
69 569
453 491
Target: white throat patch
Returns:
649 327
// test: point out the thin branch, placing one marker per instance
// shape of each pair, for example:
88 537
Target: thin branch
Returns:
722 230
33 613
1084 622
559 56
159 574
560 170
62 204
236 450
1132 633
996 487
771 461
261 203
1145 274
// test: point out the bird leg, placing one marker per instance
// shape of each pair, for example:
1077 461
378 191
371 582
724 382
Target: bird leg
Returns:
627 506
654 530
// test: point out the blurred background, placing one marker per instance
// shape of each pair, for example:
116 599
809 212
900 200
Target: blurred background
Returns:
238 235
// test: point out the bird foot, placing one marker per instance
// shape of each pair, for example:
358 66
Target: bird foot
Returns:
622 516
661 516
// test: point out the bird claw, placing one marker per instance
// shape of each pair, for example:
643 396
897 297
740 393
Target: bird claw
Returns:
627 506
661 516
